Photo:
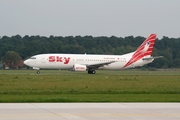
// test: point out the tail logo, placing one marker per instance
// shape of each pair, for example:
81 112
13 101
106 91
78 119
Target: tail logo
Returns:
145 49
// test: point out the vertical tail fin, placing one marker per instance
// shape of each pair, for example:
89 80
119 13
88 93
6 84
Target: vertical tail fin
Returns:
144 50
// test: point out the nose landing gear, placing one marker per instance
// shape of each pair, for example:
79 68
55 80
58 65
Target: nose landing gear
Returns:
38 72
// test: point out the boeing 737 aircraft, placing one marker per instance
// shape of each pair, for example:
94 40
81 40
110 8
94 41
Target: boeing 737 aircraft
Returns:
87 62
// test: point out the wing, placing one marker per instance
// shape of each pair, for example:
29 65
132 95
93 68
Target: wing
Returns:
96 66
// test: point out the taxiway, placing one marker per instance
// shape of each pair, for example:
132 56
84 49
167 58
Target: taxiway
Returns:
89 111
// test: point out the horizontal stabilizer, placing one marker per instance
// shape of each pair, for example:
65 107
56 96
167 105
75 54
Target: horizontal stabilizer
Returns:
150 58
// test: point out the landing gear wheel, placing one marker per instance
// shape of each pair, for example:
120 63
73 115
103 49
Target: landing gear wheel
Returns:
38 72
91 71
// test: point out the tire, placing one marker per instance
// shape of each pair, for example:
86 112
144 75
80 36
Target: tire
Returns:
91 71
38 72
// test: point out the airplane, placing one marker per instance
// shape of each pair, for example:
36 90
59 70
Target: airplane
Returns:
92 62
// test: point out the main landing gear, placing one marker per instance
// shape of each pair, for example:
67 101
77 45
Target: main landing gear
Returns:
91 71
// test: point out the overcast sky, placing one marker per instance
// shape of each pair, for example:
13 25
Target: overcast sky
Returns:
90 17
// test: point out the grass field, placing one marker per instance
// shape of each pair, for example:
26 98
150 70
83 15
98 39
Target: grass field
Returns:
105 86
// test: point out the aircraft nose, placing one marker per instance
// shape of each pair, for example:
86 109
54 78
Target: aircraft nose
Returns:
26 62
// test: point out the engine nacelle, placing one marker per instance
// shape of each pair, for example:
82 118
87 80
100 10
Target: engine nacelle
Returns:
78 67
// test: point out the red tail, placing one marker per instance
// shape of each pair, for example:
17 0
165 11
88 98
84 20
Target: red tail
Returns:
145 49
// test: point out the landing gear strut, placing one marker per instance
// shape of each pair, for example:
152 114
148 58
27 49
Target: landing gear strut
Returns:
91 71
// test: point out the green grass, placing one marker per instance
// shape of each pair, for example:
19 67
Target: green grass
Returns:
105 86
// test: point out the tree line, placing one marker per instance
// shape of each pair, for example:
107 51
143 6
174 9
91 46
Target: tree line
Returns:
31 45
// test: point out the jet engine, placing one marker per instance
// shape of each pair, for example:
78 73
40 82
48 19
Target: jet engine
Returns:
79 67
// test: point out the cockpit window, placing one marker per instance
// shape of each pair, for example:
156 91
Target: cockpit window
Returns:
33 58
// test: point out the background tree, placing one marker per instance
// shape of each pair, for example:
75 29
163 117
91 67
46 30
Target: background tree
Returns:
11 59
28 46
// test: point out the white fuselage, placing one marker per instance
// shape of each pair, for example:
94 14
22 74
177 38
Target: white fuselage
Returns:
66 61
